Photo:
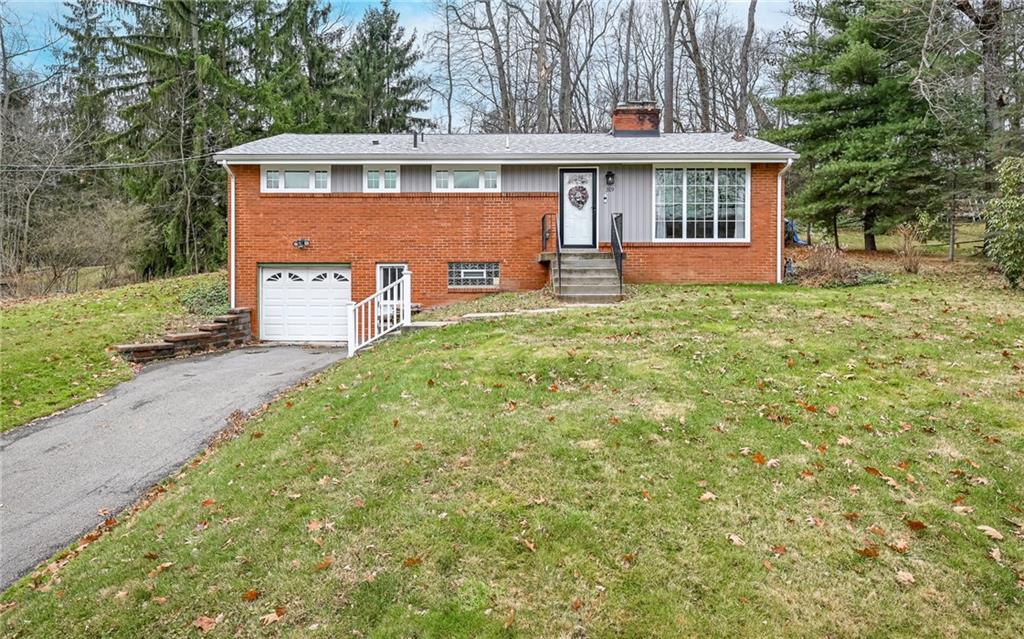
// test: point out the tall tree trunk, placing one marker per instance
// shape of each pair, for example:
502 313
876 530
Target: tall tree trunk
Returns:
504 91
628 53
699 67
869 231
543 72
671 16
989 24
743 98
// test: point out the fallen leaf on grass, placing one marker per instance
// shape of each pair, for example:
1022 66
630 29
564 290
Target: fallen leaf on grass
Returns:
410 562
963 510
313 525
577 604
832 410
900 545
159 600
904 578
735 539
996 554
708 496
778 551
273 617
325 564
205 624
121 594
532 547
844 441
991 532
868 551
915 525
758 458
159 569
851 516
208 502
251 595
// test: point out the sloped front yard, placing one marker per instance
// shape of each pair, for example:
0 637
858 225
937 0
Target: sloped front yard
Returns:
54 349
716 461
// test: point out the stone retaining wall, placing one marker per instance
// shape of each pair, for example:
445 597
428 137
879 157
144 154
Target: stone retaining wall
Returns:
232 329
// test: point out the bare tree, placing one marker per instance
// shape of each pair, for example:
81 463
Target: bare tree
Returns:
744 73
671 14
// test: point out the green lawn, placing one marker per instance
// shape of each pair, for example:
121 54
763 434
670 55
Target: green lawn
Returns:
54 349
697 461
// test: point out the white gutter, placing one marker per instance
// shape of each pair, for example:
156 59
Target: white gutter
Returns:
231 241
559 158
782 230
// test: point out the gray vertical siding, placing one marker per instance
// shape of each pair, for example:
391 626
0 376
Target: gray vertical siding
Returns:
346 178
631 197
415 178
535 178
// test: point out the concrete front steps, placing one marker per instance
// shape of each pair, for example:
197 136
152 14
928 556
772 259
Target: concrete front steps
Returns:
589 278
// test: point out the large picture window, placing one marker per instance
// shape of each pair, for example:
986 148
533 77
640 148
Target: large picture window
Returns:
701 204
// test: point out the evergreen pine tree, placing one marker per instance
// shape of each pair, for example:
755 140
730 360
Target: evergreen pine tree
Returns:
380 86
867 142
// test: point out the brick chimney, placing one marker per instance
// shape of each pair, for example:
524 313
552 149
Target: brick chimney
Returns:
636 119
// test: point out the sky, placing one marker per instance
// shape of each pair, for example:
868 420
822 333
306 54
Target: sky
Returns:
38 16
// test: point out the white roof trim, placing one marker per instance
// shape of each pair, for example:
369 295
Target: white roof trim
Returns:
603 158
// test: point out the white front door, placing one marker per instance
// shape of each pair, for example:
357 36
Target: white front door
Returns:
578 208
307 303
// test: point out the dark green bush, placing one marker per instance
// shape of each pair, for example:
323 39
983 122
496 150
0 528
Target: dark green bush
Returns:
207 298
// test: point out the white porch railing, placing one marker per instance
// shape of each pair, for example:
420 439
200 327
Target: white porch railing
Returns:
385 311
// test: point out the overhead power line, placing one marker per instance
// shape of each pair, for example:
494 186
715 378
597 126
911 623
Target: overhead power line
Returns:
25 168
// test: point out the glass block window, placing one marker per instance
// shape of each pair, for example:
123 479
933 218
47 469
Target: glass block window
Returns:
700 204
472 274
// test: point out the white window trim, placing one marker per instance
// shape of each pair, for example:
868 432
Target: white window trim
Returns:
450 168
701 240
281 168
382 167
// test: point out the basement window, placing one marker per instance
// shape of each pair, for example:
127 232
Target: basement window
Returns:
473 274
295 179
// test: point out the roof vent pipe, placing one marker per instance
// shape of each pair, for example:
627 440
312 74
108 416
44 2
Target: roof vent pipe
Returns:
414 140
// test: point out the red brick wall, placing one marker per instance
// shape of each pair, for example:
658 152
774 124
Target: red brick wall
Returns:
740 262
426 231
423 230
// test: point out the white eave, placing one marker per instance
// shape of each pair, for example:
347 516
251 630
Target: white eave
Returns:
603 158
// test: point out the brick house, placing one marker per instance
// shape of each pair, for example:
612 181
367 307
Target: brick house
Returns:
319 222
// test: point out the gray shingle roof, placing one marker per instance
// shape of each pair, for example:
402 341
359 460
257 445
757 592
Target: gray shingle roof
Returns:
518 146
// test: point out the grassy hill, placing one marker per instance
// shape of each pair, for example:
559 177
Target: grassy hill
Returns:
697 461
54 349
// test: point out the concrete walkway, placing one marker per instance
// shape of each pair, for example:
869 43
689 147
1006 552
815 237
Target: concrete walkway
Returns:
58 474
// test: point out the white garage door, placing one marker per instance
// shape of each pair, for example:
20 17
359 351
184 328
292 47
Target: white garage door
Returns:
305 303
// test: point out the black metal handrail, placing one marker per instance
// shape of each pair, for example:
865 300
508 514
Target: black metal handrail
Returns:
546 230
616 242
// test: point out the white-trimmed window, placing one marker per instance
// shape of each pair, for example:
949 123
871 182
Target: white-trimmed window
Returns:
455 179
381 179
295 179
701 204
473 274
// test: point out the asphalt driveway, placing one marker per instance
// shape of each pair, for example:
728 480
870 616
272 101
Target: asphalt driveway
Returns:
60 473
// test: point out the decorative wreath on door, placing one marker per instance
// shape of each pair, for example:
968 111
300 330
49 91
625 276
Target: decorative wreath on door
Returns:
579 191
